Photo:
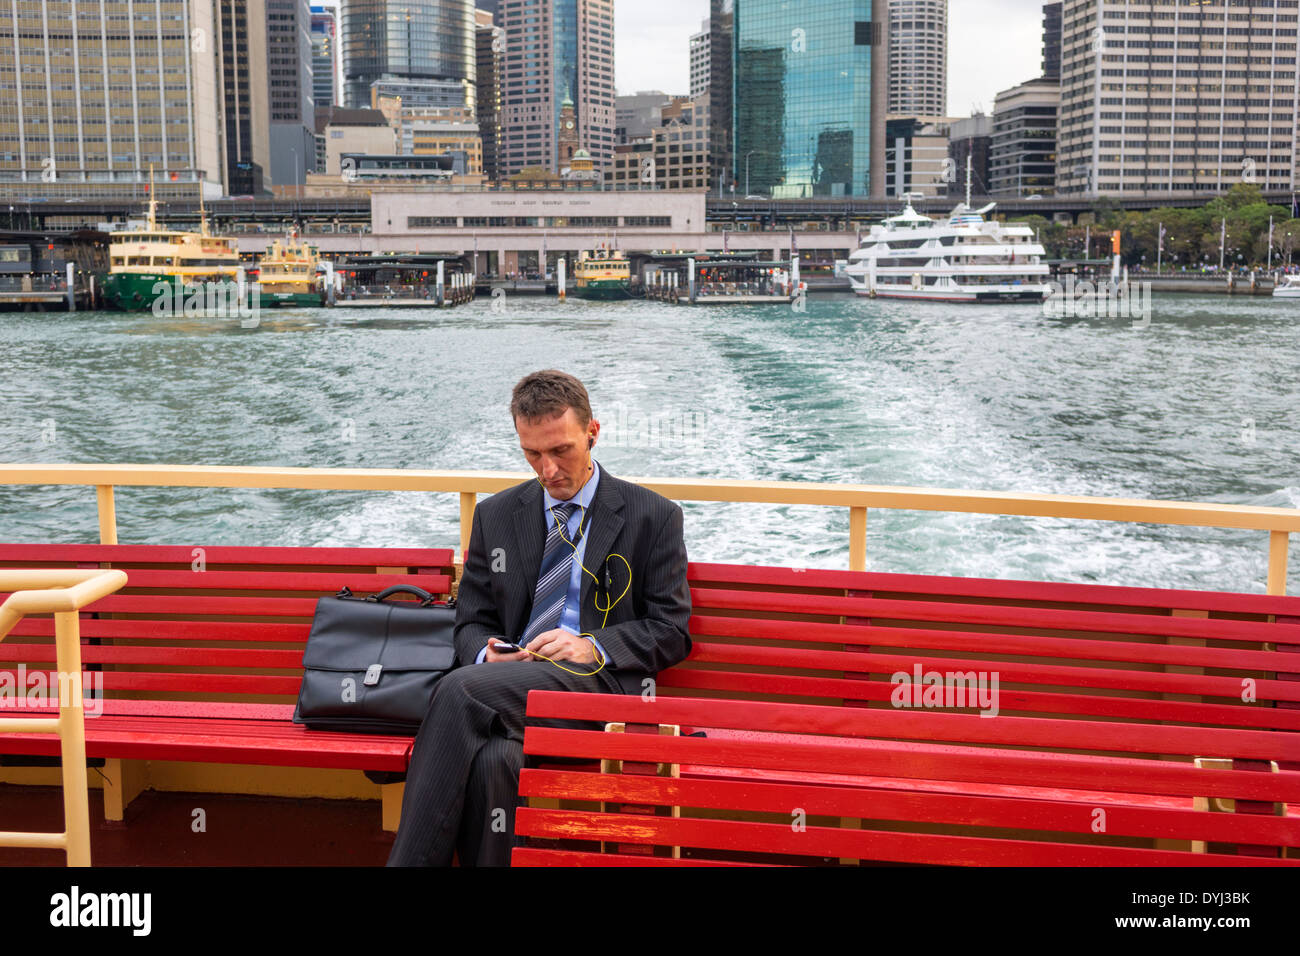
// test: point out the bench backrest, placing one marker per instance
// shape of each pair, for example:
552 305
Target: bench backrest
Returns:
215 624
1139 655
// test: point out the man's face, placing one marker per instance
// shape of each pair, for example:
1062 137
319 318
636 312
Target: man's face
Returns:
557 449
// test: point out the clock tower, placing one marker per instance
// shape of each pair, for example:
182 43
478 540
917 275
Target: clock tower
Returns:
567 135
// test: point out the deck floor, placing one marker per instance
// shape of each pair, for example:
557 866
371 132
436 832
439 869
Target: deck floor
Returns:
241 830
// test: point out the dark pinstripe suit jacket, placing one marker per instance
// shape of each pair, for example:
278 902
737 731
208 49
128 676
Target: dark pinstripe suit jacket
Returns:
647 629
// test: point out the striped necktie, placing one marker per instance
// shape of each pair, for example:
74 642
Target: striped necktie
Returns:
553 578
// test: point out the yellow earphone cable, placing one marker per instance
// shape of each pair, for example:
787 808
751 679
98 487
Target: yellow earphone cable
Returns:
612 604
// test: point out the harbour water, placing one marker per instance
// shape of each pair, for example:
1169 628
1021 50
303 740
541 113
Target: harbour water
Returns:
1200 404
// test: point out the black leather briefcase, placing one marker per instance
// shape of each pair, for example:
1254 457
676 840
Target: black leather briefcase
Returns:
371 664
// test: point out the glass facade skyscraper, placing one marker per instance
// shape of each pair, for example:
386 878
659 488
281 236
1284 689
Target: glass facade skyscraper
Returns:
406 39
804 113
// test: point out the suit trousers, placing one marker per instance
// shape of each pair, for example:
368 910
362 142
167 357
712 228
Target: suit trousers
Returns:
462 786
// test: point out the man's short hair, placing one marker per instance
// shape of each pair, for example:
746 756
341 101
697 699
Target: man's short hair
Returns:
545 394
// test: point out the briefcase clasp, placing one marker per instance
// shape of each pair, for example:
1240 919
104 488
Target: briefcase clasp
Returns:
372 674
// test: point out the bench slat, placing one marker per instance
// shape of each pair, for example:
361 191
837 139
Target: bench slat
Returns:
747 837
990 643
1016 767
751 684
994 615
874 803
993 589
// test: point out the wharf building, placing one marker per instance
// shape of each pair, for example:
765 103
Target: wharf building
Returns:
555 50
407 40
808 117
918 57
92 94
1165 97
517 231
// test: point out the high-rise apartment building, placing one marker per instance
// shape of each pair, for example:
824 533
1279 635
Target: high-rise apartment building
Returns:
1052 40
289 56
324 57
1022 156
93 94
918 57
407 39
555 49
489 45
809 110
1161 97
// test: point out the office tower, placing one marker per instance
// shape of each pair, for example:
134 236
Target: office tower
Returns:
918 57
711 59
426 118
488 6
700 57
916 157
808 117
489 44
1159 97
289 54
407 39
1052 40
324 52
92 94
1022 157
242 77
555 49
970 138
639 114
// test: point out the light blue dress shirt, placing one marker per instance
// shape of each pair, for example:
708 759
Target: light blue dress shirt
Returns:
572 613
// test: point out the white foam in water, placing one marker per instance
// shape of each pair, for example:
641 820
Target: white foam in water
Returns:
1199 406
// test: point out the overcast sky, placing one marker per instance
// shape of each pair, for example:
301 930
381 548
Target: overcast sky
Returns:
992 46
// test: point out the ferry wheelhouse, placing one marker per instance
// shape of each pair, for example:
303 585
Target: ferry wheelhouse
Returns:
140 259
287 274
965 258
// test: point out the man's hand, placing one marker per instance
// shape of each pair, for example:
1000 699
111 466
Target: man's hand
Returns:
561 645
493 657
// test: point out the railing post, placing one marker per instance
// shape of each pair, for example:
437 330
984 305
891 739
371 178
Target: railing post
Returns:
1278 542
72 731
858 539
468 500
107 514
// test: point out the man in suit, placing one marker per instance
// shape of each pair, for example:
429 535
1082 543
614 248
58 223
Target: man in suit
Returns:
588 574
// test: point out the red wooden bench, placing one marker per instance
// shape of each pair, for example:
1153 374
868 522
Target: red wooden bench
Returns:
1106 699
201 656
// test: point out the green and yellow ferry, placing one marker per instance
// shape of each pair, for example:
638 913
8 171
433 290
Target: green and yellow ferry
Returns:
287 274
602 274
193 264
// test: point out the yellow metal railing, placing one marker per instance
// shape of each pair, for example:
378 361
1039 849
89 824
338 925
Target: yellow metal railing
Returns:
858 499
62 593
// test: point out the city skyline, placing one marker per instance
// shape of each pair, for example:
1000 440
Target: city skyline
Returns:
1002 46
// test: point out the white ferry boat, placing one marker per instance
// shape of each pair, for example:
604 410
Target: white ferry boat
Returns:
963 259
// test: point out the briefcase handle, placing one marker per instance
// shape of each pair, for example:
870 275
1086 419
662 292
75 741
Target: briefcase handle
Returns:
425 597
